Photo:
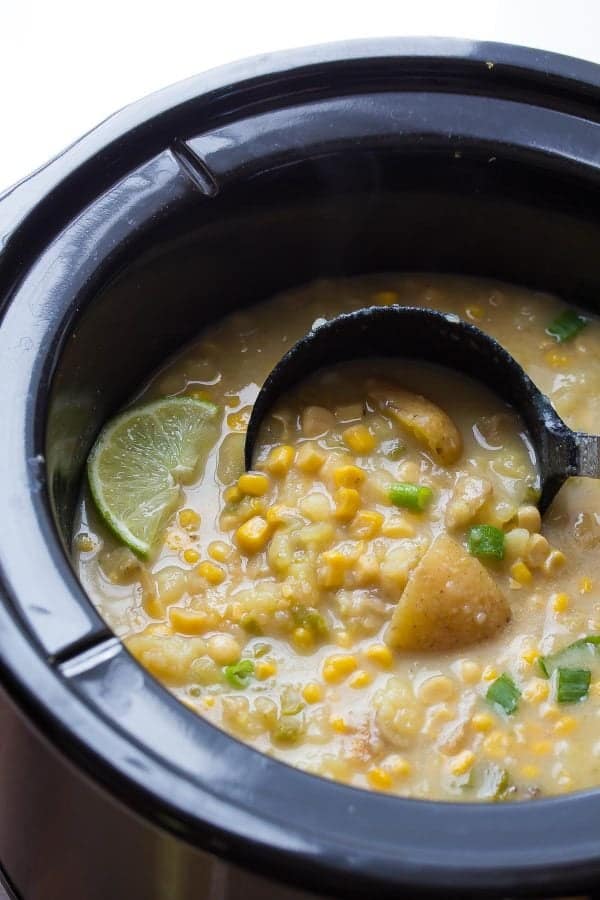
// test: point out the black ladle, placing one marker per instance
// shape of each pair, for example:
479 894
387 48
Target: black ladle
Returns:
415 333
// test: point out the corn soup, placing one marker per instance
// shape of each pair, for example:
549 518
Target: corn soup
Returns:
378 600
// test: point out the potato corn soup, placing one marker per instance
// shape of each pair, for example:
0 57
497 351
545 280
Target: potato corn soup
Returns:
378 600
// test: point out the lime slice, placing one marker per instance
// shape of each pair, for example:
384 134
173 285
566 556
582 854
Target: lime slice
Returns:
140 460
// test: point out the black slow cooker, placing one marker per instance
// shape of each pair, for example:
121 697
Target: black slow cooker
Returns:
379 155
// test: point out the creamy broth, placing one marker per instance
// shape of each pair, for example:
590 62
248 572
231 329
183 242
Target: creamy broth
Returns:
306 573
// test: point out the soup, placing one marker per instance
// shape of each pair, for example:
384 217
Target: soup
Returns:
377 601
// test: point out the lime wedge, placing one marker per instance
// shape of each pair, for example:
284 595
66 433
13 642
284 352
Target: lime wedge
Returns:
140 460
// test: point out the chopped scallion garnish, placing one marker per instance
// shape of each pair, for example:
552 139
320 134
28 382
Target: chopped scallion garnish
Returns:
572 685
566 326
486 541
411 496
503 692
576 655
239 674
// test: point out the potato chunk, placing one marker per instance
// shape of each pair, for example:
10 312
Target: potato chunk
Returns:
450 601
429 424
470 493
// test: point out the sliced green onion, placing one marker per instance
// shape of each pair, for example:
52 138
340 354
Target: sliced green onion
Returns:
572 685
486 541
576 655
503 692
566 326
240 673
411 496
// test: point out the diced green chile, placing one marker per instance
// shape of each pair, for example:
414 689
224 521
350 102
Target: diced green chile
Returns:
566 326
239 674
309 618
504 693
486 542
579 654
572 685
410 496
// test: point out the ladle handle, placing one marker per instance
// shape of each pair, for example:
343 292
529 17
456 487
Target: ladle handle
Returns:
588 454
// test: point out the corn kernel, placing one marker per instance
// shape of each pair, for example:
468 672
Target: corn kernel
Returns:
585 585
339 724
556 360
189 519
489 673
397 526
496 744
254 484
515 542
303 638
530 656
174 540
554 562
347 501
462 763
384 298
191 556
208 702
379 779
253 535
551 712
219 551
400 767
560 603
380 655
264 669
529 517
542 748
238 421
349 476
536 691
565 725
187 621
521 573
359 439
482 722
530 771
469 671
343 639
360 679
475 312
279 460
309 458
312 692
366 524
212 573
154 607
337 668
232 494
331 574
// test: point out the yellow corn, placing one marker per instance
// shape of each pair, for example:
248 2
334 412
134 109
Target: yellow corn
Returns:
312 692
530 656
462 763
359 439
380 655
191 556
174 540
309 458
187 621
303 638
529 517
189 519
336 668
565 725
343 639
551 712
232 494
470 671
384 298
397 527
530 771
554 562
348 476
339 724
379 779
279 460
585 585
264 669
254 484
238 421
556 360
213 574
401 767
560 603
219 551
496 744
542 748
474 312
360 679
347 502
521 573
482 722
489 673
366 524
536 691
154 607
253 535
209 702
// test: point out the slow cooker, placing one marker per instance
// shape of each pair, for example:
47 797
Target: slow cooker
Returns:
435 155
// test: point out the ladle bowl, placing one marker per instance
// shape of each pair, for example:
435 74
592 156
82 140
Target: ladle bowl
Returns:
415 333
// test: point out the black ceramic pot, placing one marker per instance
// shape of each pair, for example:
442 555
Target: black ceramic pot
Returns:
382 155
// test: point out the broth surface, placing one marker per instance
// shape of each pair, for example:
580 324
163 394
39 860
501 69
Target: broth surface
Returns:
271 607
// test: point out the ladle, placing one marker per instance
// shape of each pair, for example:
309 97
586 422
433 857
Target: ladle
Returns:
415 333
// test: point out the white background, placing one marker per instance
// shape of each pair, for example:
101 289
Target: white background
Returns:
64 66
